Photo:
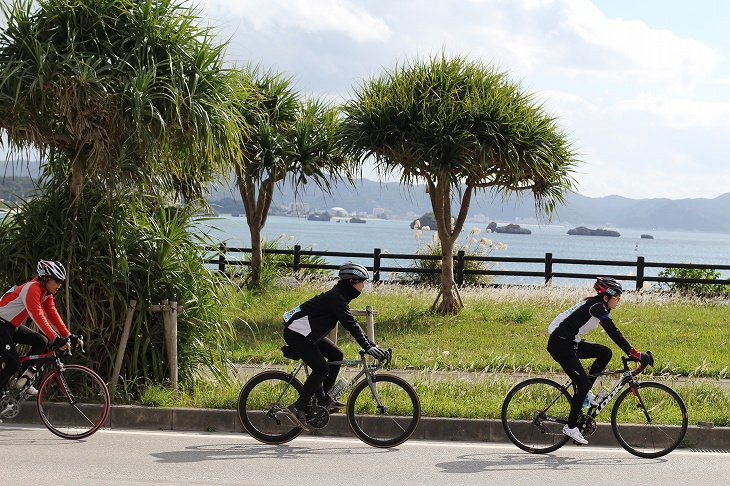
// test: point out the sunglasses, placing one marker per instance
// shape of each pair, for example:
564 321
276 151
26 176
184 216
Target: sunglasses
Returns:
58 281
618 298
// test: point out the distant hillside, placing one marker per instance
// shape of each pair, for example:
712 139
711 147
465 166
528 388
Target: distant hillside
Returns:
604 212
407 203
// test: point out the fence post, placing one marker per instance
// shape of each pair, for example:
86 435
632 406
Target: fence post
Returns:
639 273
297 257
169 318
376 265
548 268
122 344
460 267
371 323
222 248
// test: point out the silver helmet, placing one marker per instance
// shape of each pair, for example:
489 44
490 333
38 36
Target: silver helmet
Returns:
52 269
355 271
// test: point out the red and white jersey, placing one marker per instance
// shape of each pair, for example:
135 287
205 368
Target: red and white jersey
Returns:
31 300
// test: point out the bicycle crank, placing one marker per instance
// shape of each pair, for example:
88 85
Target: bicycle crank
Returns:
587 425
317 416
9 407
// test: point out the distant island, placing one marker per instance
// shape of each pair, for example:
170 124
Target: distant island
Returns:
319 216
513 229
583 231
427 220
647 237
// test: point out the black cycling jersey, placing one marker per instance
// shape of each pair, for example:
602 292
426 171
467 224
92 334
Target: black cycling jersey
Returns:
315 318
584 317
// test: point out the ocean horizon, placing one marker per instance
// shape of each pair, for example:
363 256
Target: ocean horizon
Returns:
396 237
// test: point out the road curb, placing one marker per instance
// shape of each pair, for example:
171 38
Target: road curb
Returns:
430 428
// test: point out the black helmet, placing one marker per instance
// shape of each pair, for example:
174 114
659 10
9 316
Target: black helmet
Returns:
607 285
52 269
355 271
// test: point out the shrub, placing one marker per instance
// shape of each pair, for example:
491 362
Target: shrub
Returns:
699 289
471 246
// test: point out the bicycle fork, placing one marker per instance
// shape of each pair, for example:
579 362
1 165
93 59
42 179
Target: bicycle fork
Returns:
382 409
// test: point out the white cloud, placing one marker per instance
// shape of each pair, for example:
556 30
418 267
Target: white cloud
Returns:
633 97
680 112
269 16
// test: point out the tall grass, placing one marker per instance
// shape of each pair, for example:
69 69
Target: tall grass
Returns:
505 329
463 365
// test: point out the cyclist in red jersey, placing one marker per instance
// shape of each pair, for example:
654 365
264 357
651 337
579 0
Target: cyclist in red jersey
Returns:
32 299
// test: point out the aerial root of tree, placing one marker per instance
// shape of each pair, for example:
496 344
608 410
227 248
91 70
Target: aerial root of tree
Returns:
450 303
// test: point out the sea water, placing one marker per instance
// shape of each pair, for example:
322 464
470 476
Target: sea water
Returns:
396 236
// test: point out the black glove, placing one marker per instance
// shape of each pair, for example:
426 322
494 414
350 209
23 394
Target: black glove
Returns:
376 352
76 341
646 359
60 342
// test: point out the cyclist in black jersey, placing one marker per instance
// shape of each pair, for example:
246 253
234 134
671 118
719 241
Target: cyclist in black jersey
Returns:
306 329
567 347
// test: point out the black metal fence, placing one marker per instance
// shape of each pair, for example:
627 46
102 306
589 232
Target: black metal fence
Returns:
545 267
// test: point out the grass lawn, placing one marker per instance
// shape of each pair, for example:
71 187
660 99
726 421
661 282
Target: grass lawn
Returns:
462 365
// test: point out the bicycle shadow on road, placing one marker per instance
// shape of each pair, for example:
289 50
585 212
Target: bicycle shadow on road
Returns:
478 463
223 452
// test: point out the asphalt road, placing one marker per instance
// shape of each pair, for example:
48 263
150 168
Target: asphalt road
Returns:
32 455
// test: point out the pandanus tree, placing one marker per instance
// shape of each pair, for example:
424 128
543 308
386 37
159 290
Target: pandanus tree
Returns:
127 104
290 139
459 126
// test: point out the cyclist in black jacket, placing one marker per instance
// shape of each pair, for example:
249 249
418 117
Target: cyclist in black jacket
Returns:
306 330
567 347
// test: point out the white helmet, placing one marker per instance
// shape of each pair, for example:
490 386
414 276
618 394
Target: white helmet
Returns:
355 271
52 269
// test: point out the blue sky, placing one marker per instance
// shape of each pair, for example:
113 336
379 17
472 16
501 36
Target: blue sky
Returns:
642 87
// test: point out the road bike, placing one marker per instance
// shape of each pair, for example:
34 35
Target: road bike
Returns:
648 419
73 401
383 410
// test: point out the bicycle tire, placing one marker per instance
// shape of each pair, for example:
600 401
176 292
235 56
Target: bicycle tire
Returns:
390 426
260 406
662 432
79 408
534 413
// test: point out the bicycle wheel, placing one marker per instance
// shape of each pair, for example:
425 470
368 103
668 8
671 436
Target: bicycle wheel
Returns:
389 425
261 404
534 413
73 402
651 430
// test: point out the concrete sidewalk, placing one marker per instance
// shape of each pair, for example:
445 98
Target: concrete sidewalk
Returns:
430 428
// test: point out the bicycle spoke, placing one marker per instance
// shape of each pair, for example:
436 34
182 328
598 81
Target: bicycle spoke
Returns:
534 413
655 429
73 403
261 406
391 419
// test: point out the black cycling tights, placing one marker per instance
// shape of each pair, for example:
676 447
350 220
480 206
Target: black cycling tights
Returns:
317 357
568 355
9 335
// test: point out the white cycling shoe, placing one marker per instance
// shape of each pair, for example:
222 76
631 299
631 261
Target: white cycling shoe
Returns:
574 434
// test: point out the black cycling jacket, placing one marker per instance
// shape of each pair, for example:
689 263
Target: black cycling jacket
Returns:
585 316
315 318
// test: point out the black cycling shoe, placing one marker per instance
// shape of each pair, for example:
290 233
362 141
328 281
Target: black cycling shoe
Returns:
299 417
330 403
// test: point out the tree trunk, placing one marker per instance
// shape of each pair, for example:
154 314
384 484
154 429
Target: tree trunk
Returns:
254 277
448 304
440 195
